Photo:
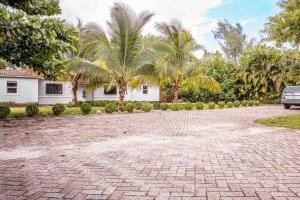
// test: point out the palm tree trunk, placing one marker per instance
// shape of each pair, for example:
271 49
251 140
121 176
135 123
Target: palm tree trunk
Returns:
75 81
122 91
176 92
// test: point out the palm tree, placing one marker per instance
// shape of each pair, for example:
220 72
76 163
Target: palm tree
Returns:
176 61
122 55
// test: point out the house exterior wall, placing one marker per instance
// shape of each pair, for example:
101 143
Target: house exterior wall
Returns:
64 98
27 90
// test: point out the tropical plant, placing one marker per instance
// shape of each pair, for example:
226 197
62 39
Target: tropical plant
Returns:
176 61
123 55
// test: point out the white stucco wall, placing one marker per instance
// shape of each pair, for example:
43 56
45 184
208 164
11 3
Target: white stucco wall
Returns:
27 90
64 98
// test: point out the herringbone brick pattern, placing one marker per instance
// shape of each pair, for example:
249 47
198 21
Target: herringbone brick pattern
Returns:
186 155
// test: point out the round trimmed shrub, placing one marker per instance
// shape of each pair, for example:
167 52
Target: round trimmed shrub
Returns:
138 105
229 104
181 106
85 108
236 103
199 105
58 109
188 106
129 107
164 106
256 103
110 108
175 106
211 105
221 104
146 107
244 103
4 111
121 108
156 106
32 110
251 103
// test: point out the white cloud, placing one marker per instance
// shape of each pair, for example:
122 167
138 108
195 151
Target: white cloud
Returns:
189 12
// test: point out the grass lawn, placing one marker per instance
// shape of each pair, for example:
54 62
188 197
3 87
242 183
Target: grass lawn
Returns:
291 121
47 111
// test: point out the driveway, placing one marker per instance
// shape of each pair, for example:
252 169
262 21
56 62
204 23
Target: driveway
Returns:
210 154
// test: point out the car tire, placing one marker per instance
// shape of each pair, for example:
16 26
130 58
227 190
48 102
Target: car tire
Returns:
286 106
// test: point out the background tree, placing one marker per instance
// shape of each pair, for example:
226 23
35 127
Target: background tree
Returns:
284 26
122 55
30 37
176 61
231 39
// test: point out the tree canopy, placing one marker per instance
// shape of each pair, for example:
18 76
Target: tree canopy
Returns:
29 37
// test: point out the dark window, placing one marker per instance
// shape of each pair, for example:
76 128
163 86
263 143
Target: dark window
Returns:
145 89
52 88
112 91
292 90
12 87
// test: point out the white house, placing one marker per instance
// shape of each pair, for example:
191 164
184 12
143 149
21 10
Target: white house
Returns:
24 86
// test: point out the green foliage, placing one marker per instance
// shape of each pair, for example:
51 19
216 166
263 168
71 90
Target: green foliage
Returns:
156 105
164 106
4 111
244 103
236 103
250 103
284 26
85 108
256 103
188 106
229 104
200 106
3 64
110 108
221 104
147 107
102 103
211 105
130 107
291 121
32 109
30 38
58 109
175 106
138 105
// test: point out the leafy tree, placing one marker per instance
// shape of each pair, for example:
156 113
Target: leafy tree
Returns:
122 55
232 39
176 61
29 37
285 26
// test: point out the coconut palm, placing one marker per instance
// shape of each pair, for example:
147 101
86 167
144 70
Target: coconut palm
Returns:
176 61
122 55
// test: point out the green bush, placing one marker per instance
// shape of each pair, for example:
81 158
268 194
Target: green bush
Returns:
256 103
102 103
244 103
175 106
32 110
251 103
138 105
130 107
181 106
236 103
156 105
188 106
200 105
146 107
211 105
121 108
229 104
85 108
4 111
58 109
164 106
110 107
221 104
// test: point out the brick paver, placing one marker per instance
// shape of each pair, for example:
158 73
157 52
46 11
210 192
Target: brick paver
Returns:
185 155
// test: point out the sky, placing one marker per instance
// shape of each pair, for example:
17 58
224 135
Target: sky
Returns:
198 16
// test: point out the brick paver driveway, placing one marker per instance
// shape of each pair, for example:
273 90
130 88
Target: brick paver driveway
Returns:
211 154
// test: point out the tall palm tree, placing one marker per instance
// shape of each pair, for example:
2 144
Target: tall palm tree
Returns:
122 55
176 61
